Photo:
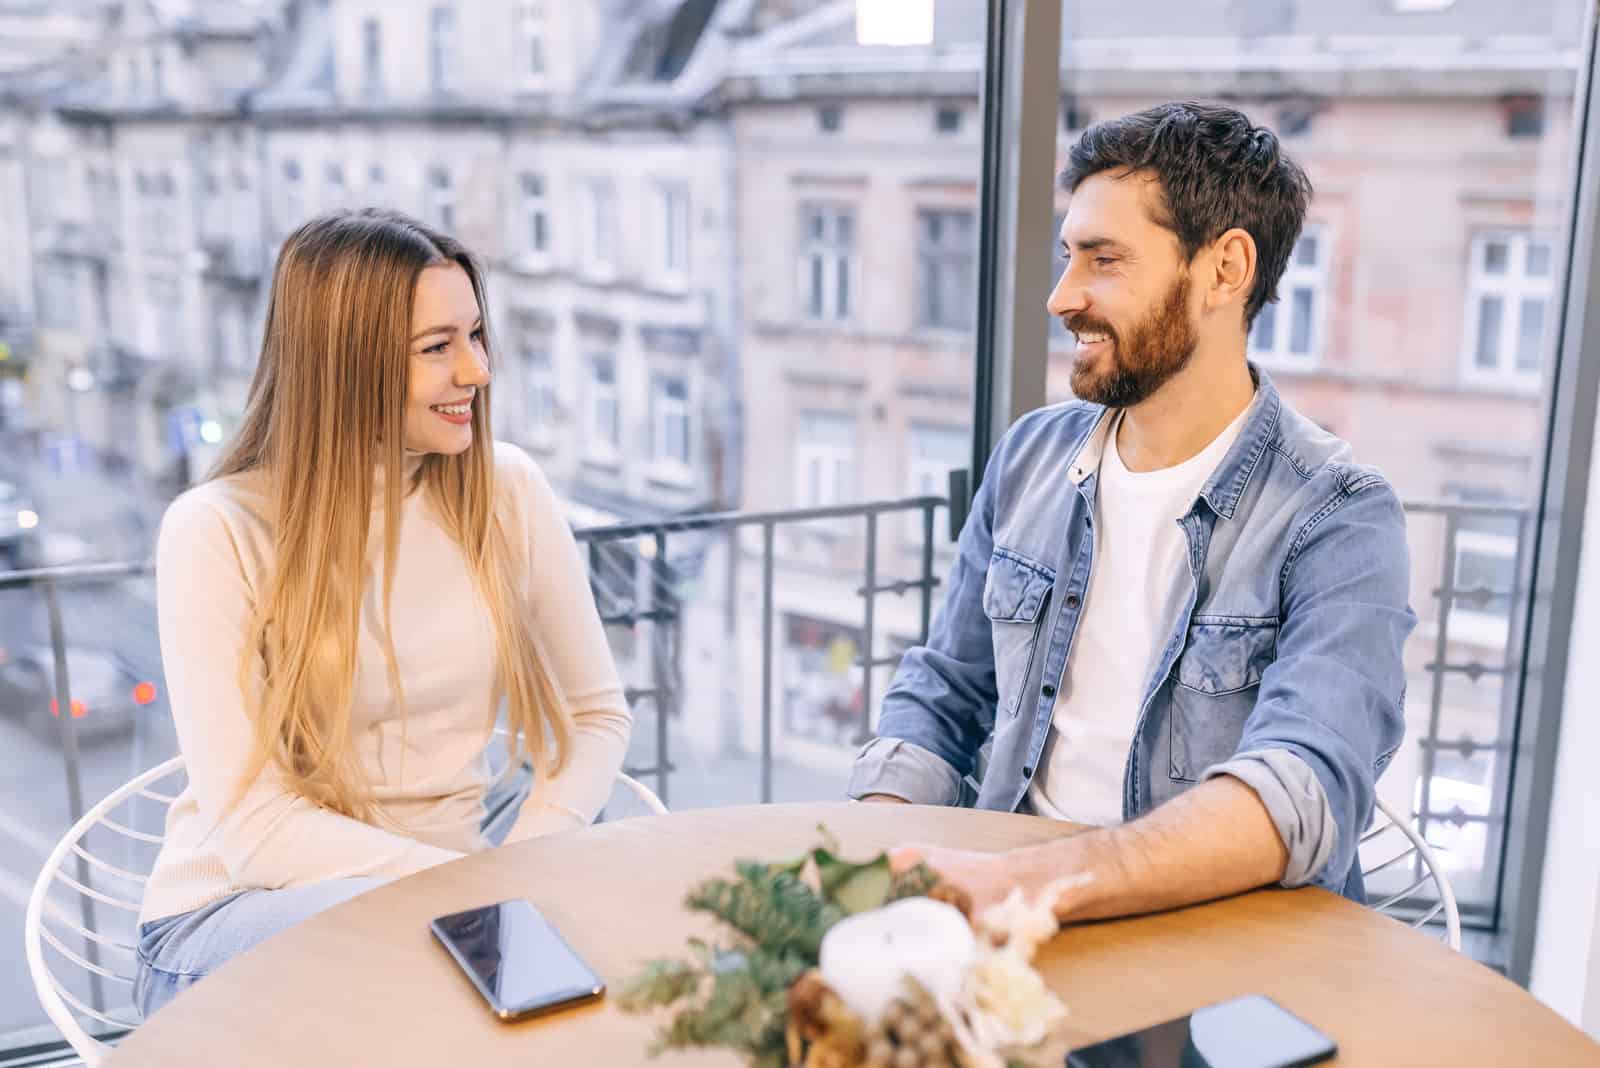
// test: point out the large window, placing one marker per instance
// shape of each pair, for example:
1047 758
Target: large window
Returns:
1291 330
530 37
827 261
535 217
599 200
1508 300
541 397
439 205
947 288
671 206
443 50
371 56
826 457
1415 321
670 419
603 427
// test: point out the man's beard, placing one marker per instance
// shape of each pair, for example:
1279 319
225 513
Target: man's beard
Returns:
1159 347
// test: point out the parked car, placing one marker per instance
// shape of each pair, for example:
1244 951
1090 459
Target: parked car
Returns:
108 695
19 524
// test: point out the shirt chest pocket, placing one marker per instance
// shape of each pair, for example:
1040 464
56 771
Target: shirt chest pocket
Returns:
1214 691
1014 595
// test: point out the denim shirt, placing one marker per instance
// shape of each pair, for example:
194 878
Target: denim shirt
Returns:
1286 650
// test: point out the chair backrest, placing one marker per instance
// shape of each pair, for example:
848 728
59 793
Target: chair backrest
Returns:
1420 857
96 883
101 958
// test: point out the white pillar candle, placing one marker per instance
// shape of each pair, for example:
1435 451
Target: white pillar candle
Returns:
866 957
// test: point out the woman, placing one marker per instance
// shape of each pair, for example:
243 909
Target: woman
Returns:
346 603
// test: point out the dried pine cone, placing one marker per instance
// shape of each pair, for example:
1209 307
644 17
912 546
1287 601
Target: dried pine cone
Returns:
829 1034
951 894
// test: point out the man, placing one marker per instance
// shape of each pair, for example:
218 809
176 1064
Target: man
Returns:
1178 608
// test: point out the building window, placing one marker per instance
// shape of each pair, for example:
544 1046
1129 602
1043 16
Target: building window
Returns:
947 119
442 50
158 76
603 437
377 191
539 374
1292 329
1508 301
947 269
1524 116
58 297
1074 116
830 118
530 42
164 311
440 207
333 183
293 201
600 227
825 459
827 261
371 56
535 216
672 232
935 452
670 420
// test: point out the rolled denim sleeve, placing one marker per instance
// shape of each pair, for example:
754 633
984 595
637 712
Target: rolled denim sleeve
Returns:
1297 804
1333 697
941 705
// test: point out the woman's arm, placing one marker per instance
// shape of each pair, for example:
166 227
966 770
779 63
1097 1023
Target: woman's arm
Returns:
271 837
578 656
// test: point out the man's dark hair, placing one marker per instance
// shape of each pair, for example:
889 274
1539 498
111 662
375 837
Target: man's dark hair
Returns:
1216 170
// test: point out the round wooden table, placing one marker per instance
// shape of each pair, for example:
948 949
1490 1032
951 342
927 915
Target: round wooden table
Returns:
366 984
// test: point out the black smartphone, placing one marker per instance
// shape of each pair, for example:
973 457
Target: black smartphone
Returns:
1247 1032
517 960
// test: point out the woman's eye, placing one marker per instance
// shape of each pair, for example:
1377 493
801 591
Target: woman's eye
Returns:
477 335
436 350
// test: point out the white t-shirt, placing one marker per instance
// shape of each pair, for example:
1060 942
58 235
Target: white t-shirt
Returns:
1140 553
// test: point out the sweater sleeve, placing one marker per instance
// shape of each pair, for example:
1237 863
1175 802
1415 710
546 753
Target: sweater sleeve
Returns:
271 837
579 657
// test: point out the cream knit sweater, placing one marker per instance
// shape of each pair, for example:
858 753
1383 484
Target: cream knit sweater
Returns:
214 555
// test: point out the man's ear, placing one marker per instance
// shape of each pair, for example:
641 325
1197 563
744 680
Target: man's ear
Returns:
1232 272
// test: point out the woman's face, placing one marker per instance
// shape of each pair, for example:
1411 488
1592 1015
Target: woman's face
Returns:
449 364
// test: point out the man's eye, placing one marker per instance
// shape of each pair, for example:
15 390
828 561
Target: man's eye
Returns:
1104 261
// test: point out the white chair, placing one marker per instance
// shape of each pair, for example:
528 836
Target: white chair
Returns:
113 959
1422 854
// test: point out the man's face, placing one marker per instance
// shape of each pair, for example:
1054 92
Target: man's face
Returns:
1125 291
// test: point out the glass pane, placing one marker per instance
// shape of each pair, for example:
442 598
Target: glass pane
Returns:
1538 259
1300 332
1491 311
1496 256
1530 334
1425 304
1263 335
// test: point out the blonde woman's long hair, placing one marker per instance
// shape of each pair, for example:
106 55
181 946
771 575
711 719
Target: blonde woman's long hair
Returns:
326 416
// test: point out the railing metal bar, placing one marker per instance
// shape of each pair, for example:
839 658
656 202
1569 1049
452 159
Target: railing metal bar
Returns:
868 626
767 553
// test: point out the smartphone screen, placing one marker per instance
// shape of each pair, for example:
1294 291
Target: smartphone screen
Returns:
518 962
1248 1032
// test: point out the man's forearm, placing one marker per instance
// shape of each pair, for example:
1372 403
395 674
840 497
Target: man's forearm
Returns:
1210 842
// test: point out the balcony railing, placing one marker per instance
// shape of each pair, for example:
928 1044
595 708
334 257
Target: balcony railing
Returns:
638 589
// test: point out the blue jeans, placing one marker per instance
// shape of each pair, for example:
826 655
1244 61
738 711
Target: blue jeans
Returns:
176 952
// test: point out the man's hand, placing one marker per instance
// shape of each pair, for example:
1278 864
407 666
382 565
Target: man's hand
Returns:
986 877
1213 841
885 799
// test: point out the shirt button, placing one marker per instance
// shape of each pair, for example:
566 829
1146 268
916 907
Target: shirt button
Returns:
1027 773
1072 600
1049 690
